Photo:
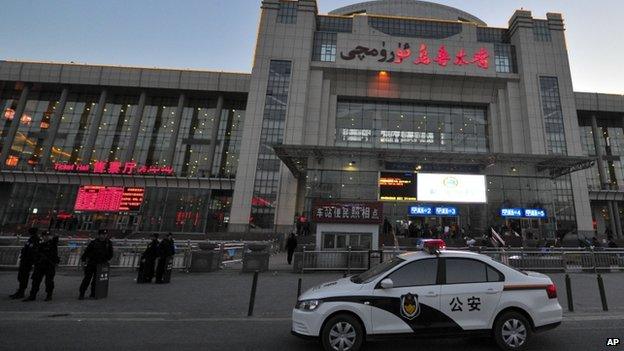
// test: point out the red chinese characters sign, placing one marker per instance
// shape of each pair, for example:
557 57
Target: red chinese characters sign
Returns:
347 212
95 198
443 58
113 167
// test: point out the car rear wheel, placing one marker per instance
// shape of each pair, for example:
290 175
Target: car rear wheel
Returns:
512 331
342 333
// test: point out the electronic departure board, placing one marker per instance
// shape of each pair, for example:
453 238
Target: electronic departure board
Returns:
97 198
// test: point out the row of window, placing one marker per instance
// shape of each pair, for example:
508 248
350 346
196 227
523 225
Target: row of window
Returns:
414 28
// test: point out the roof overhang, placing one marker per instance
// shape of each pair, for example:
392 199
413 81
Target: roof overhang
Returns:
296 158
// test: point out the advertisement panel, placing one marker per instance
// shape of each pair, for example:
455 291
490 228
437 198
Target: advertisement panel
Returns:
452 188
397 186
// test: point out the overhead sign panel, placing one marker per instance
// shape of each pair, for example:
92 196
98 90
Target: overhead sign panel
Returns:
451 188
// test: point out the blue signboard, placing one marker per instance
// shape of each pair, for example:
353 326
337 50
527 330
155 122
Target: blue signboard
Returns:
534 213
523 212
440 211
511 212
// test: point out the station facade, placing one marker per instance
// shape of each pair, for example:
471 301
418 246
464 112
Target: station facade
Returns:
350 110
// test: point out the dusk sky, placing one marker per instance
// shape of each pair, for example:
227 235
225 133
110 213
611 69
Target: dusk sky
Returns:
220 34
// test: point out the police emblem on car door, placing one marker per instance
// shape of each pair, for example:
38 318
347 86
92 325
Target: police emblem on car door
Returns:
410 308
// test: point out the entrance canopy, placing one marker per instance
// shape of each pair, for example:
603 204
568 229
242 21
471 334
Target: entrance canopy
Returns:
296 158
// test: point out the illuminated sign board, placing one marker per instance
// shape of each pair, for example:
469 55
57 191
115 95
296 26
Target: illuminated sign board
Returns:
112 167
451 188
523 212
427 211
96 198
395 186
403 53
347 212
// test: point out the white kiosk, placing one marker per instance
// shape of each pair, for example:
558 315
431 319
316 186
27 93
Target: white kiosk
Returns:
342 224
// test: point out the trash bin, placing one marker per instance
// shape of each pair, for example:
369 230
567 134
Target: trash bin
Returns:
101 282
206 259
256 258
166 278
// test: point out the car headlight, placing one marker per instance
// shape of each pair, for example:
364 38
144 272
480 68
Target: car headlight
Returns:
308 305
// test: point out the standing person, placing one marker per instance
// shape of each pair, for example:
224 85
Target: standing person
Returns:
166 250
27 260
148 259
45 266
97 252
291 245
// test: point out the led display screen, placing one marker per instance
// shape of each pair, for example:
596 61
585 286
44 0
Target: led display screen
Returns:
97 198
453 188
394 186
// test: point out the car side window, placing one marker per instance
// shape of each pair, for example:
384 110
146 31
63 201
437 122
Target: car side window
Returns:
462 270
417 273
493 275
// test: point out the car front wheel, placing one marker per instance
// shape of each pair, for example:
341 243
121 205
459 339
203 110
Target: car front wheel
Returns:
512 331
342 333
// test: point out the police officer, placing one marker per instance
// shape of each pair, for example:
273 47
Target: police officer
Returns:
28 256
166 250
97 252
148 259
45 266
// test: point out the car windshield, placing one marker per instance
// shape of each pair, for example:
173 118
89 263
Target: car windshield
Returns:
371 274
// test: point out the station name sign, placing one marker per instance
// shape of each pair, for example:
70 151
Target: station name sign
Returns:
403 53
113 167
523 212
347 212
439 211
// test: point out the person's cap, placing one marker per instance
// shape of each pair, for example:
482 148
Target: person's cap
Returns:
33 231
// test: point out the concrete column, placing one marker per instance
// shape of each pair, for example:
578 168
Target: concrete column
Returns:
618 222
215 134
10 137
173 142
601 169
93 130
611 218
55 123
136 126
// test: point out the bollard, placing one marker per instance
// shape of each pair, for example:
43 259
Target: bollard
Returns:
369 258
252 297
603 296
349 261
568 284
298 288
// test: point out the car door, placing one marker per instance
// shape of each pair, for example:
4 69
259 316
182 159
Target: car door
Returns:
407 306
470 293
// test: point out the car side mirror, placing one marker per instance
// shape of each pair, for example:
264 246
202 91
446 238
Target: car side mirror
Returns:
387 283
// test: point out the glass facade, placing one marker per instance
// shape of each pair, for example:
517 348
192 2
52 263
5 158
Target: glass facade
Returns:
287 12
334 24
8 103
414 28
198 123
553 116
324 49
229 140
492 35
541 32
411 126
505 58
115 127
274 119
157 126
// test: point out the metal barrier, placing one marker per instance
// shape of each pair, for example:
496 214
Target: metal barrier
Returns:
550 260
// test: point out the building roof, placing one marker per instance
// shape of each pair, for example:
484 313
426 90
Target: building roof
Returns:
408 8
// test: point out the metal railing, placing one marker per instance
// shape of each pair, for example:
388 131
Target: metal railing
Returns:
548 260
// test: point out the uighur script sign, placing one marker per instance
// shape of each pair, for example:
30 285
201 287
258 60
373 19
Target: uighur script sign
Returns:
113 167
442 58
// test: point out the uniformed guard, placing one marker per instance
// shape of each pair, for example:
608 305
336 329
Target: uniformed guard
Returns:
166 251
148 259
27 260
45 266
97 252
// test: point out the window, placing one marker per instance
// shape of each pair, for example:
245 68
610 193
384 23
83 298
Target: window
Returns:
414 28
493 275
553 116
373 273
334 24
505 58
287 12
342 241
462 270
324 47
417 273
541 32
492 35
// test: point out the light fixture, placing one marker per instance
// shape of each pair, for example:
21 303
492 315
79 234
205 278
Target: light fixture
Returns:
352 163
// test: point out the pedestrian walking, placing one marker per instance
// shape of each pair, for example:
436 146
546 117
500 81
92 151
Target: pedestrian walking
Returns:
291 245
98 251
45 266
166 250
28 254
148 260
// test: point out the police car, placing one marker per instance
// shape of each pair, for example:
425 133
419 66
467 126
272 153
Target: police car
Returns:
425 293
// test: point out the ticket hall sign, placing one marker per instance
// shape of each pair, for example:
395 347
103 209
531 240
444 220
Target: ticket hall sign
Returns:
113 167
425 55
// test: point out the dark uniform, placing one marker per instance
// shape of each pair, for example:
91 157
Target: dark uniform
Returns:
166 250
291 245
45 266
148 259
28 255
97 252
